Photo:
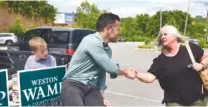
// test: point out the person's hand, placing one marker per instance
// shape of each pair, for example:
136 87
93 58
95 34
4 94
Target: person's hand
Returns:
130 73
106 102
197 66
137 75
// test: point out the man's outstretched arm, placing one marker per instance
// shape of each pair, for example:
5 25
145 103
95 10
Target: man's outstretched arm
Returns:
104 61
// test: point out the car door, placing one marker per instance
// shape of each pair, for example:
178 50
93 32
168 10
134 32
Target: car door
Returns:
2 39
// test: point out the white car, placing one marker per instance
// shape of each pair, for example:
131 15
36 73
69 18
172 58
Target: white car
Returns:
8 38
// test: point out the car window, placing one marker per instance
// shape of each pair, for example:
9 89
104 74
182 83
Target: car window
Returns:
43 33
5 35
79 35
30 34
61 37
1 35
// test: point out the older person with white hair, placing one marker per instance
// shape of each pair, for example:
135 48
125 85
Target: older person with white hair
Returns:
182 85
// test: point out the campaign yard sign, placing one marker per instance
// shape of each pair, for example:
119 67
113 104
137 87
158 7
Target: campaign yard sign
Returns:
4 98
40 86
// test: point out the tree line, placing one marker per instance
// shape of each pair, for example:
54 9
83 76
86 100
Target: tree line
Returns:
144 27
32 9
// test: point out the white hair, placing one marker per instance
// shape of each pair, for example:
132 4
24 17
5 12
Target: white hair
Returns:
171 31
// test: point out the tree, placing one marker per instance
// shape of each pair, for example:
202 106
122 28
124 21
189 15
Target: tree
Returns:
87 15
142 27
47 13
127 29
33 9
141 24
3 4
172 21
153 26
17 28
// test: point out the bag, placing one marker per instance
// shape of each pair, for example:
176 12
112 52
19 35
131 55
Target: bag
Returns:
204 72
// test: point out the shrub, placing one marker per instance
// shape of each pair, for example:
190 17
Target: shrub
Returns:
145 46
17 28
147 40
205 46
137 38
202 42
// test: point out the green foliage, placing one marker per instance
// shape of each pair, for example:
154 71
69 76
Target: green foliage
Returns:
32 9
202 43
205 45
2 4
145 46
146 26
17 28
74 25
127 29
143 27
87 15
135 38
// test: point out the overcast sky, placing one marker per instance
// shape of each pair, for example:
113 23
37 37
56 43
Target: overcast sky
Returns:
126 8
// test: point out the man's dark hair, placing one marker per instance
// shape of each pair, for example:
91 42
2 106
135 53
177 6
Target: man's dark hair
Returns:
106 19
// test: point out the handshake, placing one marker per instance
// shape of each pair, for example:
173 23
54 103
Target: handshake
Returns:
130 73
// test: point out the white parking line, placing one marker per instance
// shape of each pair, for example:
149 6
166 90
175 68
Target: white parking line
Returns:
132 96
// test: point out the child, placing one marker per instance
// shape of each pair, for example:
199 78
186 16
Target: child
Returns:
40 57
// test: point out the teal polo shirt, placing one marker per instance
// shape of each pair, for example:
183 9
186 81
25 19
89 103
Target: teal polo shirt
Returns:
91 61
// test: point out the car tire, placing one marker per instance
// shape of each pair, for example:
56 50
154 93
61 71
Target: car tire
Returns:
9 42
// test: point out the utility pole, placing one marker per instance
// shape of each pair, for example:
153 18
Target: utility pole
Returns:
187 18
205 2
206 29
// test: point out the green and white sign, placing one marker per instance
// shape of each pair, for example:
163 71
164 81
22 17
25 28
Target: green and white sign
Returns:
4 98
40 86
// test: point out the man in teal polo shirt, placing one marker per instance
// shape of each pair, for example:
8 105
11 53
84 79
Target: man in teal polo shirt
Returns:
84 81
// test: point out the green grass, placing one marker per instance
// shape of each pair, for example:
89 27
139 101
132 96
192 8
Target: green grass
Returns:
145 46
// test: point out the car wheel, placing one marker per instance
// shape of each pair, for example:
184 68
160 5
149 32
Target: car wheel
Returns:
9 42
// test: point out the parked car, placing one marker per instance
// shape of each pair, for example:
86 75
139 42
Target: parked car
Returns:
195 41
60 40
120 40
15 60
8 38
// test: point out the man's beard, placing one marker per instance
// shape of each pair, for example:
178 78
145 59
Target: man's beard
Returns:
113 39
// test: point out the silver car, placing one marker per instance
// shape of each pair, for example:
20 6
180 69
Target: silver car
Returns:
8 38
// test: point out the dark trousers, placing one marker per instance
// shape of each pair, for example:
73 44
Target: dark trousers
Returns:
200 102
74 93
